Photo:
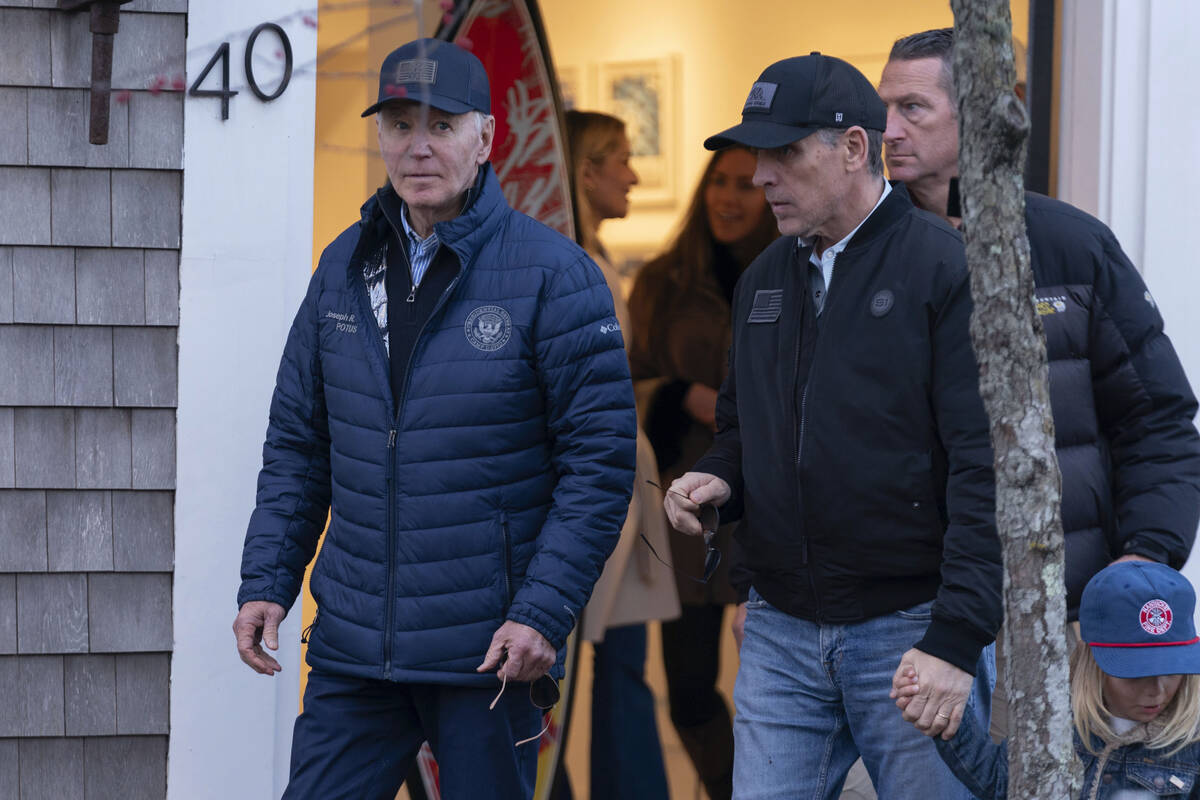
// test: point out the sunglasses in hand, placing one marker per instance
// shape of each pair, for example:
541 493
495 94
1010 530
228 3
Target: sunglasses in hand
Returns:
710 520
543 694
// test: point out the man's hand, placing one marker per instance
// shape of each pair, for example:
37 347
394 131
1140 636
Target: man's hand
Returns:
1134 557
687 493
739 625
936 707
521 653
258 621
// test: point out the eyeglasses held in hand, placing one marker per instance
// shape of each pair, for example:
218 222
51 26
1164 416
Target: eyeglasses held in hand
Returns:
543 693
710 520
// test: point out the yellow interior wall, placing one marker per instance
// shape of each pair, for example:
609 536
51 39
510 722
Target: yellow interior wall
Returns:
723 47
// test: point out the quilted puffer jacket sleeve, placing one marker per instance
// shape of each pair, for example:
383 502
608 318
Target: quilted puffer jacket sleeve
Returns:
1146 409
592 423
293 486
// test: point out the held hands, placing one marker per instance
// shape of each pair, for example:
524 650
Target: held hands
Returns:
931 693
521 653
258 621
687 494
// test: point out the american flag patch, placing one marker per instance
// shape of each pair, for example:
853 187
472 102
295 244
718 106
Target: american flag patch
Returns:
768 303
416 70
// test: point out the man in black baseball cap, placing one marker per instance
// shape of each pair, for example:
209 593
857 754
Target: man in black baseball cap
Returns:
454 398
853 444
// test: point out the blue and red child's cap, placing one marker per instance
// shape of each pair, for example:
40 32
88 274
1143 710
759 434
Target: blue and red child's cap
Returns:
1139 620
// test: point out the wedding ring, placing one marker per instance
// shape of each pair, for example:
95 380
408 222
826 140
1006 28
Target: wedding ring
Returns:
943 716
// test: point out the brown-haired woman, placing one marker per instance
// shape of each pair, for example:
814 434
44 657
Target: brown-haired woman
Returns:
626 755
681 328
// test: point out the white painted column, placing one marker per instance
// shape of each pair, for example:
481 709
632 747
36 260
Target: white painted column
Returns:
1129 108
245 263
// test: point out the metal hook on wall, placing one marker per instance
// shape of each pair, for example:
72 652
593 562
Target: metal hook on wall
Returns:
105 20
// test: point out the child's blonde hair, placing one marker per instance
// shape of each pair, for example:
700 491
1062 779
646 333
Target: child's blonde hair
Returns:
1180 720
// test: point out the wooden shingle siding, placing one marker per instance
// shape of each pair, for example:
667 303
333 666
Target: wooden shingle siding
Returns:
79 531
8 615
54 140
83 366
34 704
22 531
24 203
14 126
6 285
43 285
80 208
52 613
89 304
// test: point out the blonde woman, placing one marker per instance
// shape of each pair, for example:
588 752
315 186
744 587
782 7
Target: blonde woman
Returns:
1135 694
626 755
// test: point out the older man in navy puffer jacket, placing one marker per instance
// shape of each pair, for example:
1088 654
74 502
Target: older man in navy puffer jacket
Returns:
454 393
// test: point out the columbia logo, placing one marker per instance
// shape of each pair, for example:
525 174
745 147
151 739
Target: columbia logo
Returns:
610 327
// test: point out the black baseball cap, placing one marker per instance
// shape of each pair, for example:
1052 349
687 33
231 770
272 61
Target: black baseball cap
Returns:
797 96
435 73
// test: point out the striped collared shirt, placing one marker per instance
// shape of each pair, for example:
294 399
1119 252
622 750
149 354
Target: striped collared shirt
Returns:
420 251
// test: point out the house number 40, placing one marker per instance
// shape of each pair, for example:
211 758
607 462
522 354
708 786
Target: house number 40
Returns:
222 56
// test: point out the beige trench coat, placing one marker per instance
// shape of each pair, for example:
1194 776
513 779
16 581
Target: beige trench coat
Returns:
634 587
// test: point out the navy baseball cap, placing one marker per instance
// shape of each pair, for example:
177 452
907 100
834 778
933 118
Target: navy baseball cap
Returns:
435 73
797 96
1138 618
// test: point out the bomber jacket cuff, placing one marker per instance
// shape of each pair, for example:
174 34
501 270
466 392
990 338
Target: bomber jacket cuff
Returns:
731 511
955 643
1147 547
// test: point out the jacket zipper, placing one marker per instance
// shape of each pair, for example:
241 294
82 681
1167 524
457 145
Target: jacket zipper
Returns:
802 425
391 554
391 501
508 593
365 303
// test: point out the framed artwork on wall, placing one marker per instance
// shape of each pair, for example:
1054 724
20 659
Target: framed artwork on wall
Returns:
570 87
645 94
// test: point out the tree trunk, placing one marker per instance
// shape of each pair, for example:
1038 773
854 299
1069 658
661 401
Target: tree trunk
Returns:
1009 345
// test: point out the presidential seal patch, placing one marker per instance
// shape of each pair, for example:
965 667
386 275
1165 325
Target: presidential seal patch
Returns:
488 328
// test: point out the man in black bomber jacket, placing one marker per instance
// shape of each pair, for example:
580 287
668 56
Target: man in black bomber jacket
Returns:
854 447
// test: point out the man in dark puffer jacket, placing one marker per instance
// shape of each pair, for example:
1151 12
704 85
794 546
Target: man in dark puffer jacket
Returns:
472 441
1127 448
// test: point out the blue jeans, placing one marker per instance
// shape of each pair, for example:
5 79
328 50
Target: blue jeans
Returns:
627 760
812 698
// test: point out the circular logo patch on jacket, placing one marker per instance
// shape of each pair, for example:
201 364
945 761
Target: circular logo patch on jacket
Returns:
1156 617
488 328
882 302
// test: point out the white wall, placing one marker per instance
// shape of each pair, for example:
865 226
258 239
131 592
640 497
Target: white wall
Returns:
1129 113
247 254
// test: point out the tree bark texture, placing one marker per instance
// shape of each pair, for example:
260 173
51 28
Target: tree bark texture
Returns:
1010 347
